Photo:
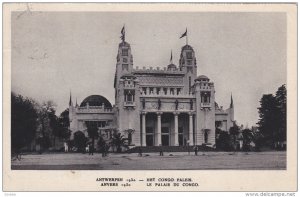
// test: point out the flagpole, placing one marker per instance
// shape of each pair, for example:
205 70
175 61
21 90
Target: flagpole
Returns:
186 37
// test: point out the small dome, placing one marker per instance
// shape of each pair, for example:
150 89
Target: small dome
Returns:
124 44
128 75
96 100
202 78
187 47
172 66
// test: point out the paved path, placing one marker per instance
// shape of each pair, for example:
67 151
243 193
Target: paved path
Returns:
152 161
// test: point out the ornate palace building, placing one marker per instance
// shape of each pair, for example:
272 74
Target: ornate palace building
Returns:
169 106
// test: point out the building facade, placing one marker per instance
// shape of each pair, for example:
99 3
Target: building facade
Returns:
169 106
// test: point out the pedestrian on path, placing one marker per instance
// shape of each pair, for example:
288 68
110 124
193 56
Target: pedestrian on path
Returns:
161 153
196 150
91 150
140 152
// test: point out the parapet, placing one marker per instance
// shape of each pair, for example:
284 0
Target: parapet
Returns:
158 70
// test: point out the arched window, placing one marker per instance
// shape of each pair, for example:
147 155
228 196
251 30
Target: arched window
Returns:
205 136
129 138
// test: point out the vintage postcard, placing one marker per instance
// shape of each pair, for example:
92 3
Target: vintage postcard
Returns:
149 97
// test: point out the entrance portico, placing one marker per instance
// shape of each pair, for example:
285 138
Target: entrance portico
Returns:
167 128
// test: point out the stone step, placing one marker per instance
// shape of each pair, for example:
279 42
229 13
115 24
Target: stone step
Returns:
151 149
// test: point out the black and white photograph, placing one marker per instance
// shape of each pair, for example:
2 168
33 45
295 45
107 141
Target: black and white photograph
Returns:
150 91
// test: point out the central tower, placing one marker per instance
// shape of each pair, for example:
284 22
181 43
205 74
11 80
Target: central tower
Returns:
127 95
188 64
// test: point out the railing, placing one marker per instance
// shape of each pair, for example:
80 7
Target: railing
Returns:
129 104
204 105
158 70
168 94
129 85
93 109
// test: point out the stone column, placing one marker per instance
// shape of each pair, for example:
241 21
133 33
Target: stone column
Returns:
191 140
176 143
158 134
154 91
143 129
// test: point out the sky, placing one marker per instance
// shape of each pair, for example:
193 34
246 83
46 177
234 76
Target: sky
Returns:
54 53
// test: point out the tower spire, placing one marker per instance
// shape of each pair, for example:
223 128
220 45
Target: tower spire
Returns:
76 105
231 102
70 102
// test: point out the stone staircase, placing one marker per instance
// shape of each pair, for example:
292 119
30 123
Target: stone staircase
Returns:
153 149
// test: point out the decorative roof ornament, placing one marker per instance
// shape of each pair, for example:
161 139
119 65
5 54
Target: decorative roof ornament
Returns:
123 34
231 101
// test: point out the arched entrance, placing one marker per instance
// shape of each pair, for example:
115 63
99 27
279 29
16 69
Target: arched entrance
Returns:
167 128
150 129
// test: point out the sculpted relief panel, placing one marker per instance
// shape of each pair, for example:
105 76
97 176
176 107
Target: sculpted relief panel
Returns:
175 81
167 106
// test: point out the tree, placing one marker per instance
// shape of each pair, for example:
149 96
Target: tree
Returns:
103 146
23 122
234 132
247 139
257 140
129 134
47 123
92 130
280 97
118 141
79 141
272 117
53 120
64 124
268 121
223 141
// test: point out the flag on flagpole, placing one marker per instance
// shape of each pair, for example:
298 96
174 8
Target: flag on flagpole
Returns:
184 34
123 33
171 58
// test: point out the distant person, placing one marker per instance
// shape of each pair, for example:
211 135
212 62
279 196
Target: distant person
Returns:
140 152
106 148
91 150
66 147
87 149
18 154
103 147
161 153
196 150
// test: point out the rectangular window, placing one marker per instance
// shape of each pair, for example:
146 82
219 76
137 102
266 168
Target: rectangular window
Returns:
172 91
190 84
180 130
165 130
144 90
165 90
125 67
149 130
157 90
190 69
124 52
189 55
151 90
189 62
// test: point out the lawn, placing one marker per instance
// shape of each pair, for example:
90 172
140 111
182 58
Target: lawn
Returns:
152 161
